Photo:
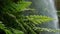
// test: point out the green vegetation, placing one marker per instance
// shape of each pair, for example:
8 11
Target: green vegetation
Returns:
13 20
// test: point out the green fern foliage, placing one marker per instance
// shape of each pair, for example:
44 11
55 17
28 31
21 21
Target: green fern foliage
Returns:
46 29
38 19
13 20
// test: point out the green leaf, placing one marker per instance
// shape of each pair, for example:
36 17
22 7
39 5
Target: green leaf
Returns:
17 31
46 29
8 31
2 26
38 19
22 5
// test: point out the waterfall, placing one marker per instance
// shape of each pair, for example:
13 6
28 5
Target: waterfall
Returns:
46 8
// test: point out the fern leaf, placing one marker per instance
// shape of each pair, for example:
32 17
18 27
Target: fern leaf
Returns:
22 5
38 19
46 29
17 31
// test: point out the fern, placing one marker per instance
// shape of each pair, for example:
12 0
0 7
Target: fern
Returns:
12 20
45 29
38 19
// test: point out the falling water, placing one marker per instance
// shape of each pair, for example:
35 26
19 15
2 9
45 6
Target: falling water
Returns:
47 8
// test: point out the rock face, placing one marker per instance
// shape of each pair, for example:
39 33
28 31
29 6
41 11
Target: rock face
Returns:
57 3
47 8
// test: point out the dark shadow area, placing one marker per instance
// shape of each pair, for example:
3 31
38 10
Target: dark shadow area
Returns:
2 31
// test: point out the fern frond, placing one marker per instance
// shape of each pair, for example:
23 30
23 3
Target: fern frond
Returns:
17 31
46 29
38 19
22 5
16 7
